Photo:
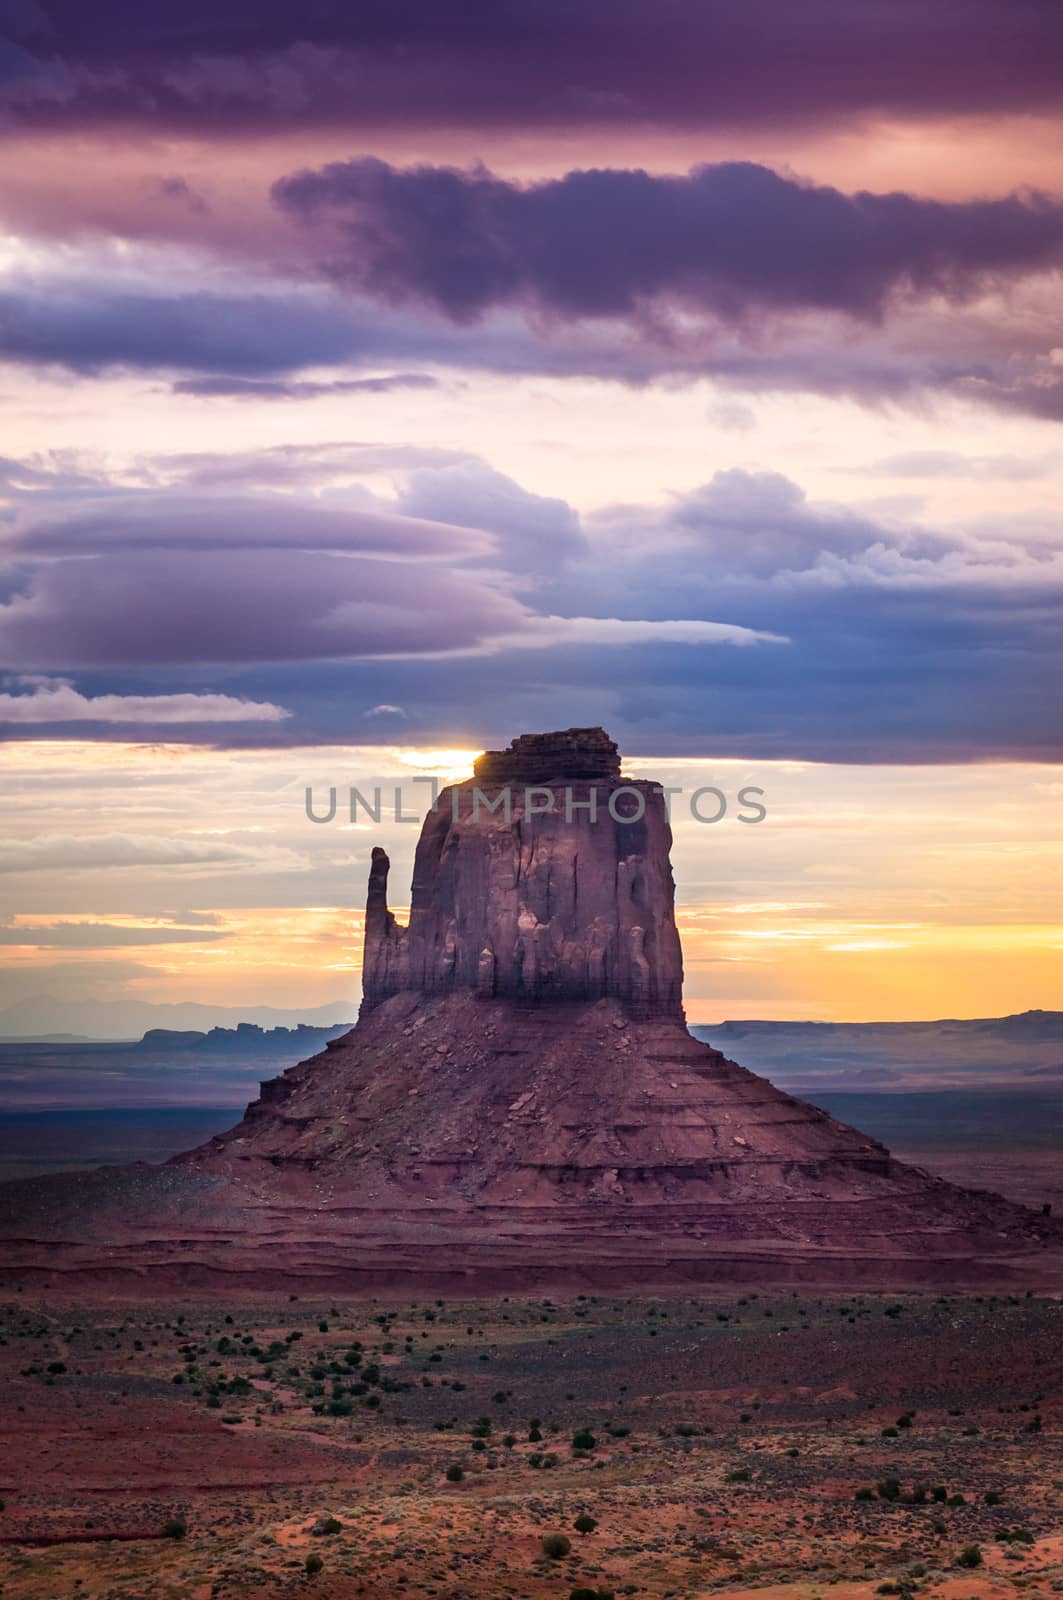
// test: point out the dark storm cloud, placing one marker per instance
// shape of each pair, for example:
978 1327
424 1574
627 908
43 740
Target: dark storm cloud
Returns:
730 239
496 63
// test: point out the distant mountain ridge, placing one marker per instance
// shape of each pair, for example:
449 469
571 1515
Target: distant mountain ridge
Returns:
166 1067
1024 1050
246 1038
46 1018
1035 1022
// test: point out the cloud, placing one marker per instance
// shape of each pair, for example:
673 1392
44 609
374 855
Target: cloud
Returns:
952 464
318 466
77 323
108 851
274 340
98 935
179 190
545 632
536 530
214 605
730 239
248 66
157 580
301 389
741 617
56 701
143 523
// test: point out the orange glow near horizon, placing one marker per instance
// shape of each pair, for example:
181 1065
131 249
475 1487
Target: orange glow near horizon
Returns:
867 894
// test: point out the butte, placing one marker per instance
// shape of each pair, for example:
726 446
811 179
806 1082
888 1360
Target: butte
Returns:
520 1104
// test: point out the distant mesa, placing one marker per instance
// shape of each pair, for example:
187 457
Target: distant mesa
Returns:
247 1038
521 1105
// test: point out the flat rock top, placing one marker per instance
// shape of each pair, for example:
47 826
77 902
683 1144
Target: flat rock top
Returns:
567 753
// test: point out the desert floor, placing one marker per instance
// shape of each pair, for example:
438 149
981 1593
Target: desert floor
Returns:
201 1448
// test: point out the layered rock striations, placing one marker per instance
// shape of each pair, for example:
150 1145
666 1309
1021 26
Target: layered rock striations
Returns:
522 1105
545 878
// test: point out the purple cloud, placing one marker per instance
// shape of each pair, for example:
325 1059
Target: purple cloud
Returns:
177 522
730 240
688 63
217 605
214 388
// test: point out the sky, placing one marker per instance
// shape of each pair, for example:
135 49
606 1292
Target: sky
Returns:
379 382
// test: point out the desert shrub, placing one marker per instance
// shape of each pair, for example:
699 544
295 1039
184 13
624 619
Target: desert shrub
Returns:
326 1525
993 1497
957 1500
864 1494
509 1440
455 1474
534 1434
583 1439
889 1489
314 1564
891 1433
969 1556
556 1545
584 1523
739 1475
174 1528
940 1494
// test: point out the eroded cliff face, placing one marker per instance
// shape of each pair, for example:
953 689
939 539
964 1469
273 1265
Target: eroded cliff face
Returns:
544 878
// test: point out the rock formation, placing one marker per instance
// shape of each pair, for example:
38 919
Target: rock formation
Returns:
545 878
521 1104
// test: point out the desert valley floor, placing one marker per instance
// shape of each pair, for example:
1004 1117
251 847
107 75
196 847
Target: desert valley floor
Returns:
772 1444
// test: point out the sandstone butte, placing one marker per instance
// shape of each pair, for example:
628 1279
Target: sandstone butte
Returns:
520 1105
